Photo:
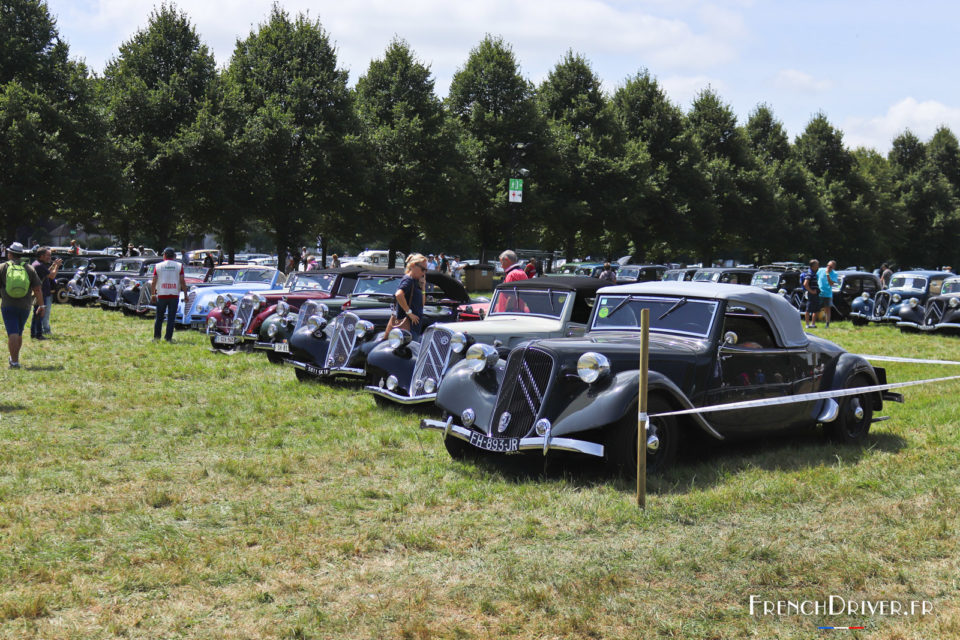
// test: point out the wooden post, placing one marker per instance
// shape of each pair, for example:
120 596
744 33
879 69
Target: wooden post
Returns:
642 419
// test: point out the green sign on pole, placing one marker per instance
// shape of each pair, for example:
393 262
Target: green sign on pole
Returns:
516 190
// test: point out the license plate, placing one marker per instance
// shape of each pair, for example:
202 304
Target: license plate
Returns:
501 445
198 325
281 347
316 371
225 339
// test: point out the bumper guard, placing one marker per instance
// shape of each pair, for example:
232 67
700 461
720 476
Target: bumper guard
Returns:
535 443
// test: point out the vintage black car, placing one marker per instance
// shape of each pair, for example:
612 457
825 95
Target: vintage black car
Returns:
407 372
783 282
340 347
71 265
122 272
709 344
853 285
725 275
942 312
630 273
684 274
88 283
903 300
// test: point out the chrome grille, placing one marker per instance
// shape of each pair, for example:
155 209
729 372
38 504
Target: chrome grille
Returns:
307 309
882 304
521 395
144 300
342 338
434 358
934 312
245 309
188 305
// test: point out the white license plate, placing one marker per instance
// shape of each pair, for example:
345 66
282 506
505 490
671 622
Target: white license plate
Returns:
225 339
501 445
316 371
281 347
198 325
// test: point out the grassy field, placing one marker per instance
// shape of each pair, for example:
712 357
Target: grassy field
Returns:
162 491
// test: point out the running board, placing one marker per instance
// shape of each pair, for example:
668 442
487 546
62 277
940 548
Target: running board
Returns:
880 419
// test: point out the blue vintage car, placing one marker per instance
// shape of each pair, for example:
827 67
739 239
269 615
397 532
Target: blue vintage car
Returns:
902 301
226 281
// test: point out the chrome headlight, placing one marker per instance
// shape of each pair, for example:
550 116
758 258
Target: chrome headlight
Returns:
398 337
865 295
782 291
237 323
221 302
323 311
392 382
430 385
468 416
896 297
913 303
482 356
954 303
272 330
364 327
591 366
458 342
316 323
211 324
259 300
283 307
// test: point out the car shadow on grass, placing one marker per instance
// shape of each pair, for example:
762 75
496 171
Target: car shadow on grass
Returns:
57 367
702 465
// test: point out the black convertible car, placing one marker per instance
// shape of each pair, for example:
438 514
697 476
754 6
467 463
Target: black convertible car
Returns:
709 344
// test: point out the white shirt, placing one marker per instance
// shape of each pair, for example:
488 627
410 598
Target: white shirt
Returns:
168 278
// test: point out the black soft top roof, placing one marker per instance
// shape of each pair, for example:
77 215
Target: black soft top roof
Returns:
451 287
581 285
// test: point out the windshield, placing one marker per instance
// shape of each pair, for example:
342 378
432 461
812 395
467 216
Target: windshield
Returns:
126 266
376 284
766 279
312 282
706 276
629 273
951 286
686 316
915 283
528 302
255 275
194 272
73 264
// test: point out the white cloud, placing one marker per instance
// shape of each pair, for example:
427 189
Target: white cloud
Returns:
683 89
922 118
800 82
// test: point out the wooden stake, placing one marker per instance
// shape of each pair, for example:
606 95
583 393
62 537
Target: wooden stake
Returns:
642 419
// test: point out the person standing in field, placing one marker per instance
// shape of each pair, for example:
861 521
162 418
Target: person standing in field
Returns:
17 281
811 287
40 326
827 278
168 282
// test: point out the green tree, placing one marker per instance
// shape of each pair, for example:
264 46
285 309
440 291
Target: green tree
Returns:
495 110
155 89
53 152
300 132
586 176
412 151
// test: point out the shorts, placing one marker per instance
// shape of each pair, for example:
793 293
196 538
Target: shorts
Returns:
826 303
813 303
15 320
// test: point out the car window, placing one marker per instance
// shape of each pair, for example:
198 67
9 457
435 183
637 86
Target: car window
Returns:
766 279
255 275
312 282
668 314
869 285
849 285
708 276
126 266
376 284
752 329
935 287
952 286
529 302
915 283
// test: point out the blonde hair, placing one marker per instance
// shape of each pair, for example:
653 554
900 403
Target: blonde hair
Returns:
413 259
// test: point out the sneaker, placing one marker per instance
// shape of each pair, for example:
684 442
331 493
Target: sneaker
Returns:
13 365
40 337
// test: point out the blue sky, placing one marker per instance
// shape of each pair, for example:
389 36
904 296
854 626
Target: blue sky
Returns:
874 68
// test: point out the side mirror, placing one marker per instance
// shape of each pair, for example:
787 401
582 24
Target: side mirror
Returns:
730 337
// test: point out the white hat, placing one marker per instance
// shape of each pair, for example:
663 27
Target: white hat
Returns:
16 247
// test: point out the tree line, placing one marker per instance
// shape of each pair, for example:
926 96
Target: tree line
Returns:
164 146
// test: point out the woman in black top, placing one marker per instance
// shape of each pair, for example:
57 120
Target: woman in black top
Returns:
409 308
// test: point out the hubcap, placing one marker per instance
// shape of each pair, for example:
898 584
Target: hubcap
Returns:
857 409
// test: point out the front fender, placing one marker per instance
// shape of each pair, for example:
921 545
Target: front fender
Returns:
385 360
461 389
597 407
260 318
305 347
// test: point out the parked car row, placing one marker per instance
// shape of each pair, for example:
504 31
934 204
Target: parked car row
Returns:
549 365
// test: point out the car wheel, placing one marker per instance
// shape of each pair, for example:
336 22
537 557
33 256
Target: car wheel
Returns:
274 358
858 322
856 414
620 447
303 376
61 295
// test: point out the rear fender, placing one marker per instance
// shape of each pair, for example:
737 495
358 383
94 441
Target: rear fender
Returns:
849 365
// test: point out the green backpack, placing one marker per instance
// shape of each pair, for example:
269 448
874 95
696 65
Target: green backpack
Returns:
18 281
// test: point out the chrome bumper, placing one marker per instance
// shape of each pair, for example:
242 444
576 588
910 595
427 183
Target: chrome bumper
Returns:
401 399
535 443
947 325
903 324
345 371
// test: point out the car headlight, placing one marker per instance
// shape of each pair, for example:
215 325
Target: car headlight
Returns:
913 303
954 303
392 382
865 295
221 301
323 310
364 327
237 323
398 337
283 307
272 330
458 342
316 323
482 356
211 324
896 297
591 366
782 291
430 385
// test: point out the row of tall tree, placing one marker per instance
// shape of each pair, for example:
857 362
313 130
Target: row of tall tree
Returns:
165 145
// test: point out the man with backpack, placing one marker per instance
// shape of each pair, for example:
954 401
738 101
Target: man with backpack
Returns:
16 283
